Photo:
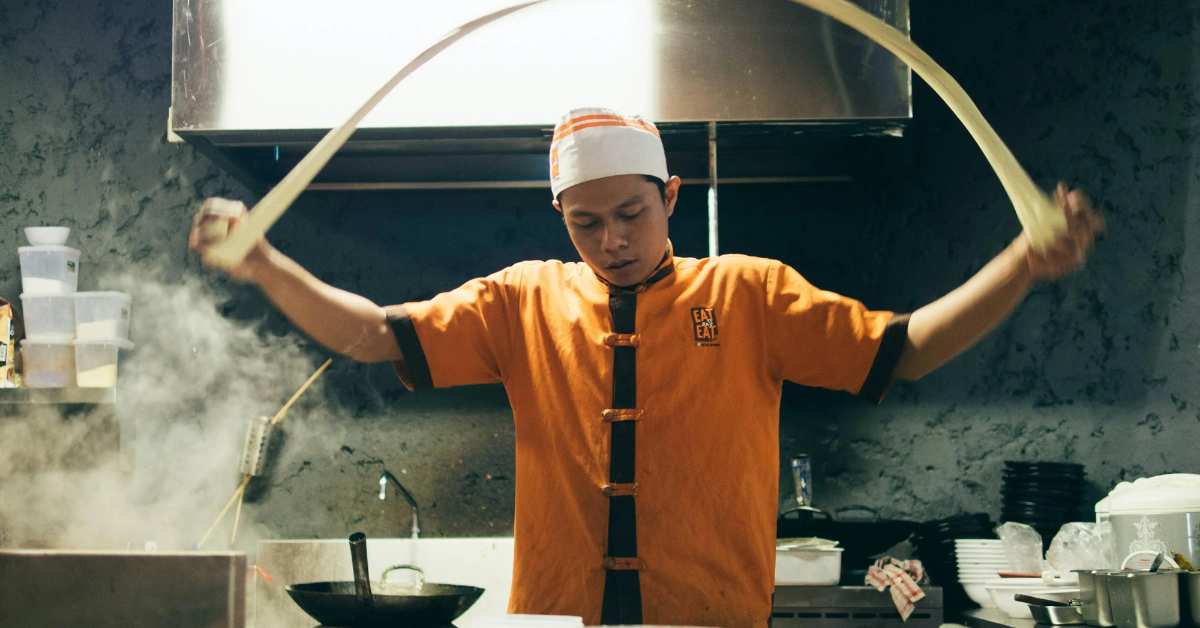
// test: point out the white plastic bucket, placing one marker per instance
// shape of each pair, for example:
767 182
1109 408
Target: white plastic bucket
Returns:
49 269
48 316
102 315
96 361
48 363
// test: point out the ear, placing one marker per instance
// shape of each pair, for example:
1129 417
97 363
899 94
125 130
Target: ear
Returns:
556 205
671 190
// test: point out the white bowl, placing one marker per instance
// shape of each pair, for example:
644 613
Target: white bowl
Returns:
978 542
979 594
47 236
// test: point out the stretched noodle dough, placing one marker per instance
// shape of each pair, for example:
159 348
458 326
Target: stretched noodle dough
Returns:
1038 213
1041 217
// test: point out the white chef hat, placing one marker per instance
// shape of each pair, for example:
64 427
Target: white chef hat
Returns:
593 143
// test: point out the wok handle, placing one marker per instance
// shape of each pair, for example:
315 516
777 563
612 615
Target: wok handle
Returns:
420 574
362 580
837 513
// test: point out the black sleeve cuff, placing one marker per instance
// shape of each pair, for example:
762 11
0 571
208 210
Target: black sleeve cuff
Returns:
879 379
410 346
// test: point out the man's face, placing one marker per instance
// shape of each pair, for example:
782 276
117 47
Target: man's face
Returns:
619 224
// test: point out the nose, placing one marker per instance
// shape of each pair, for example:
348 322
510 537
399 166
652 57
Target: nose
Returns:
616 237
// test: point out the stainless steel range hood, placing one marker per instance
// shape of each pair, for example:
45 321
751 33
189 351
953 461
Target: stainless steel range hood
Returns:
256 84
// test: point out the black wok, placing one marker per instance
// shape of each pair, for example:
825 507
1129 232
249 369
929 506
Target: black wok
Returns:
353 604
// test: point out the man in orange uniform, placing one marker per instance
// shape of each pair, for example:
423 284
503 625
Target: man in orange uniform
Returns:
639 379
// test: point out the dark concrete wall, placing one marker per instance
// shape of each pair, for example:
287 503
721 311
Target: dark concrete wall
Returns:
1100 368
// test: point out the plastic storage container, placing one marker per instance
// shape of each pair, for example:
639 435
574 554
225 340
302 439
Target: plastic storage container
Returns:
96 361
49 269
808 566
48 316
48 363
102 315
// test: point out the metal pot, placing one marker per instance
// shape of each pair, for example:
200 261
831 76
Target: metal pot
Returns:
1145 599
1189 598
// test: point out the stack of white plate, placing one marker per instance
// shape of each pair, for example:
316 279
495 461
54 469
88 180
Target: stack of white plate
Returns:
979 561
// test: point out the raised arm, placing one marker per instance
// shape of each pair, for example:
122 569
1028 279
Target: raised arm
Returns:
945 328
343 322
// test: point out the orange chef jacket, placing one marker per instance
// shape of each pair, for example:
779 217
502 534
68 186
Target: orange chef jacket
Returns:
690 395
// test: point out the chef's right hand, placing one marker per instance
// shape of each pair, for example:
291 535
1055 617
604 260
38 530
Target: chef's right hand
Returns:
216 218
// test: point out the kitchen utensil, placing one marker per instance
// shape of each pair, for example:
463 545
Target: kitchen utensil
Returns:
359 603
47 236
1145 600
49 269
358 561
254 449
102 315
1129 563
802 479
1040 601
1158 561
48 316
1058 615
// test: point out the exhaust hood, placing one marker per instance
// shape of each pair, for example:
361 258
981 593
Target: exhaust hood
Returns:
787 93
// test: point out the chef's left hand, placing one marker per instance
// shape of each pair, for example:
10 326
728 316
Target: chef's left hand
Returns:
1069 251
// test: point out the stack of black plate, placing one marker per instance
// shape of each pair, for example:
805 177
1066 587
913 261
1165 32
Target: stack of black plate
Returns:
1044 495
934 541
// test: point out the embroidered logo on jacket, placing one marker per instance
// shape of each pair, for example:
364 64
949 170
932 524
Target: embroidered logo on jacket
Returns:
704 326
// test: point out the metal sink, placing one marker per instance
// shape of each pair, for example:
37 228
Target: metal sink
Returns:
480 562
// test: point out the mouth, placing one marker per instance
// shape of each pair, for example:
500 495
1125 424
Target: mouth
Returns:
620 265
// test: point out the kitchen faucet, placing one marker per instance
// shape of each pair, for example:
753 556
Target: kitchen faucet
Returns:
383 483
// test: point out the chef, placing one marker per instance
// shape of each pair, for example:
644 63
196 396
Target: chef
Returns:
645 387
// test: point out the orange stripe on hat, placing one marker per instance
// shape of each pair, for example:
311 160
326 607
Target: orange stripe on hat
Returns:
602 116
629 123
584 122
